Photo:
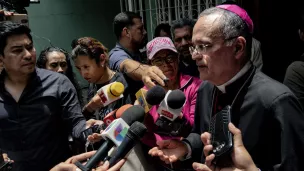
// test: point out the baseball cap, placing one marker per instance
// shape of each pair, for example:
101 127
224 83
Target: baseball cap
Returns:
158 44
240 12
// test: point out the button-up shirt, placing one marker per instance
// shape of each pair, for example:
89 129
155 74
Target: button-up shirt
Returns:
34 131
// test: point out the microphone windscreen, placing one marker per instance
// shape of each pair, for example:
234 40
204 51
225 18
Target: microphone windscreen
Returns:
122 109
176 99
134 113
138 129
155 95
116 89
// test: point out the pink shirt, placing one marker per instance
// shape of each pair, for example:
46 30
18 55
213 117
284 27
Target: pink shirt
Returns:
189 85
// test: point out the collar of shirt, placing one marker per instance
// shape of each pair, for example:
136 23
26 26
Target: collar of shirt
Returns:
222 87
133 55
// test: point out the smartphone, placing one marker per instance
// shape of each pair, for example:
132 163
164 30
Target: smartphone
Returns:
90 131
221 137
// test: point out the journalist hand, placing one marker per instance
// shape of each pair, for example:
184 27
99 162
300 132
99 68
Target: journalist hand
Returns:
95 137
153 73
169 150
240 156
68 165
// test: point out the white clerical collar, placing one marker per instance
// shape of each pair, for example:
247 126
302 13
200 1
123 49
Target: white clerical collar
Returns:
222 87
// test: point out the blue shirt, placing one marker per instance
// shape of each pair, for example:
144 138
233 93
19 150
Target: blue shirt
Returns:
117 55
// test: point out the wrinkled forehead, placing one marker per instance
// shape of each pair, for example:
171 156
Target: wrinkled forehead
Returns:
207 28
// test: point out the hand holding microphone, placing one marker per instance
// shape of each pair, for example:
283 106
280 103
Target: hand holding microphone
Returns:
114 135
69 165
105 95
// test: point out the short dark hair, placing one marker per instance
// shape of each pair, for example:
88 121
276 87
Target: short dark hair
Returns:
301 20
8 28
182 23
74 43
122 20
163 26
230 2
90 47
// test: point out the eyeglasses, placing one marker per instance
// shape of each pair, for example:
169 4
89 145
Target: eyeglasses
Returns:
160 61
203 48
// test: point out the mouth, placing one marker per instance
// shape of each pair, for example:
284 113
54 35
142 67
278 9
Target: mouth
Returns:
28 64
201 66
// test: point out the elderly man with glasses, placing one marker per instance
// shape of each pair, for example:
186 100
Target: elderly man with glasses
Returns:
267 112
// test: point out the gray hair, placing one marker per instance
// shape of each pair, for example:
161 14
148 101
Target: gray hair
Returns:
230 25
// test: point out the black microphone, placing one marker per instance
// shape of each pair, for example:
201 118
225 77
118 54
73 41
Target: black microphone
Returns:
118 127
155 95
134 134
148 98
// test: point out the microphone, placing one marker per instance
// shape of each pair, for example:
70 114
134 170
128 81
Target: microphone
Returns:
134 134
114 135
110 117
172 105
148 98
108 94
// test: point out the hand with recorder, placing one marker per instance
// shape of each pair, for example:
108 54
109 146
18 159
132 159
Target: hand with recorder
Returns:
173 150
241 159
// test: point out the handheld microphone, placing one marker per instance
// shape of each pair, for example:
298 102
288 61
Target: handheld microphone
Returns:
134 134
114 135
110 117
172 105
148 98
111 92
108 94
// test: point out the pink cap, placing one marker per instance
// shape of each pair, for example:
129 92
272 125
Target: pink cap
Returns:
159 43
240 12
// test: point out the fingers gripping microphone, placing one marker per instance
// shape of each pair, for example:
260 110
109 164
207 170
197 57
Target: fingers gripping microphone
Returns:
108 94
114 134
111 92
148 98
135 132
172 105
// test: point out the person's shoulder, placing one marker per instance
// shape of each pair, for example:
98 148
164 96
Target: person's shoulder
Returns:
296 66
50 76
266 89
119 77
117 51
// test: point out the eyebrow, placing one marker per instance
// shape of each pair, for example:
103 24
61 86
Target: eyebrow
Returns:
20 46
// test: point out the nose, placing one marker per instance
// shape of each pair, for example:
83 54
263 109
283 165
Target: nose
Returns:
196 56
27 55
184 42
60 70
145 32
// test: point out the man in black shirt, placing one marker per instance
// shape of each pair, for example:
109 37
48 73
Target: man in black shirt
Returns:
38 108
182 38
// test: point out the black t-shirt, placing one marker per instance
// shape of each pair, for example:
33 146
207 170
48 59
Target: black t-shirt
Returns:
294 80
93 88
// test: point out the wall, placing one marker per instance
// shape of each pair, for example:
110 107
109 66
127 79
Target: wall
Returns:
61 21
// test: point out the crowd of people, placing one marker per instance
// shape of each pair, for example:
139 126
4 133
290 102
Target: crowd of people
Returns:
214 61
